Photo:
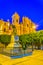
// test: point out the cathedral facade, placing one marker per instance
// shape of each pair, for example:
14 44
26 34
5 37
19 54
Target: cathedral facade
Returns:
26 26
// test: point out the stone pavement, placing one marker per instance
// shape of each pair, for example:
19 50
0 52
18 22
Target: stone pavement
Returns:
35 59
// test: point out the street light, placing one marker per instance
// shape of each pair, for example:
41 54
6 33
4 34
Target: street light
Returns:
35 26
8 24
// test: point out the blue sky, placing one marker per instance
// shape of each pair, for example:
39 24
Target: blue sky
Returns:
30 8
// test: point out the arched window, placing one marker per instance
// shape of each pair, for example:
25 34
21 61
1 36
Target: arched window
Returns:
27 25
4 30
4 23
17 20
9 27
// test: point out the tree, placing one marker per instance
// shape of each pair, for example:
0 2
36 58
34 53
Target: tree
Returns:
23 41
26 40
30 39
41 37
36 39
5 39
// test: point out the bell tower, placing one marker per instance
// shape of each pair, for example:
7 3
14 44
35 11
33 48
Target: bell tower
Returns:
15 18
